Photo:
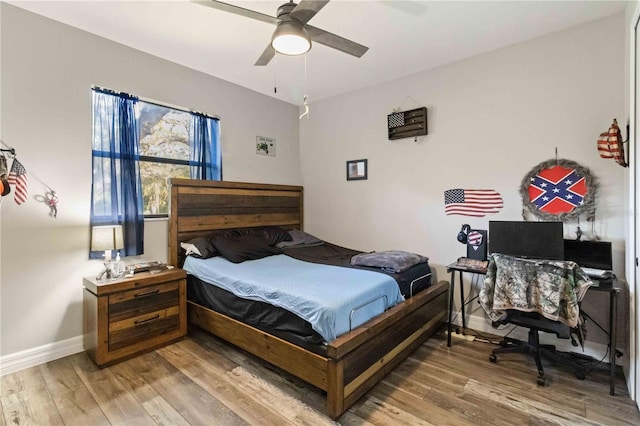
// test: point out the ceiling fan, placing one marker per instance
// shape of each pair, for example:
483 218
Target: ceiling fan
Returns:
292 35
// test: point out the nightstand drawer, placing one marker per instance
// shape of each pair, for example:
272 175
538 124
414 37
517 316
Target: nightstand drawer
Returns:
142 301
144 327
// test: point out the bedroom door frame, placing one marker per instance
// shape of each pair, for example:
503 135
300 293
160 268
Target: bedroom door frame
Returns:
633 271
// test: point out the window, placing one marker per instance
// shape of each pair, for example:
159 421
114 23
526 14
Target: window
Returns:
137 147
164 153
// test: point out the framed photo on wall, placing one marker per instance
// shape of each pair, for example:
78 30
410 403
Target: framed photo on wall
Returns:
357 170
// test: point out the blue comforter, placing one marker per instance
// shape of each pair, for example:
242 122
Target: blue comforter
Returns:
323 295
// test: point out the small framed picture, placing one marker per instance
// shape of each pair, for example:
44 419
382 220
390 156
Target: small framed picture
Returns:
356 170
265 146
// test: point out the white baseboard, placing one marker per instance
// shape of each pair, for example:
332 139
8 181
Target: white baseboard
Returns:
35 356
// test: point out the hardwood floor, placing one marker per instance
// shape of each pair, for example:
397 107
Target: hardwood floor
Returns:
203 381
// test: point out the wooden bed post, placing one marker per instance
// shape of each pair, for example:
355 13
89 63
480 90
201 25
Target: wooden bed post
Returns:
335 389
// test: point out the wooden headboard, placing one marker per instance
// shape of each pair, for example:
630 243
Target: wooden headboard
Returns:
200 207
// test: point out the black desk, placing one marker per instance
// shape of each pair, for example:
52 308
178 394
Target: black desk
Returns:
613 289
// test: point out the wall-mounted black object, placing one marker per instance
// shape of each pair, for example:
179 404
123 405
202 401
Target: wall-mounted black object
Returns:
477 244
407 124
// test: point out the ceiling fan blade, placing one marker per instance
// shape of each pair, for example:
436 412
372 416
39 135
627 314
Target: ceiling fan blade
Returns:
266 56
226 7
335 41
307 9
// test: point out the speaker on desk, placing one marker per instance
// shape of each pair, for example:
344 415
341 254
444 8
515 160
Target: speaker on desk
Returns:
477 244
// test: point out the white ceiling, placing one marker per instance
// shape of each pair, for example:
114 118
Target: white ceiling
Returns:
404 37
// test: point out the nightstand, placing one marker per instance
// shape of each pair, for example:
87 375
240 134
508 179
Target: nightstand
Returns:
124 317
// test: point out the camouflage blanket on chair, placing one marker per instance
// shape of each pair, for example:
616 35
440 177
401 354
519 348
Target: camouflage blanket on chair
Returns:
551 288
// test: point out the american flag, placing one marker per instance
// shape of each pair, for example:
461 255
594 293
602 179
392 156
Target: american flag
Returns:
18 177
395 120
557 190
471 202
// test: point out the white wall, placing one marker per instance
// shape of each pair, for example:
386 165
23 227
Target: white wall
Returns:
47 71
492 118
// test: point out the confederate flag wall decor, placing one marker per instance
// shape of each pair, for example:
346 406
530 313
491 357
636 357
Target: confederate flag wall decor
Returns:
559 189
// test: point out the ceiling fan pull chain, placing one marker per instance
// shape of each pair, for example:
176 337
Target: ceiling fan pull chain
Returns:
306 109
275 77
304 100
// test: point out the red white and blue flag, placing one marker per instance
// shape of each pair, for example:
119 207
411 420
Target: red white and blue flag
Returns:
472 202
474 238
18 177
557 190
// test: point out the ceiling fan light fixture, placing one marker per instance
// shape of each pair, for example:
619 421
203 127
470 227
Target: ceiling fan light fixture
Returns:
290 38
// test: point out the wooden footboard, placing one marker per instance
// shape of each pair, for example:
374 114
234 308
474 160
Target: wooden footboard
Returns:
355 361
365 355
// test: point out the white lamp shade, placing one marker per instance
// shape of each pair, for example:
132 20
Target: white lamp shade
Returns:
106 238
290 38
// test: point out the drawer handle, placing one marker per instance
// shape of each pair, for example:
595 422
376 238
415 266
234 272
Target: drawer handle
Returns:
149 293
147 320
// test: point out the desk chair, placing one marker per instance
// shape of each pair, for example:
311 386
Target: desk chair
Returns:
536 323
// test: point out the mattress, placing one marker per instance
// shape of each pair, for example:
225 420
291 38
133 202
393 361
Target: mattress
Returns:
281 322
271 319
333 299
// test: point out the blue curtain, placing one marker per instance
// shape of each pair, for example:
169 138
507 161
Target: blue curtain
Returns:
204 147
116 190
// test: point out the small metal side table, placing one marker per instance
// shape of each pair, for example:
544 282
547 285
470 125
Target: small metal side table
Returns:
453 268
613 288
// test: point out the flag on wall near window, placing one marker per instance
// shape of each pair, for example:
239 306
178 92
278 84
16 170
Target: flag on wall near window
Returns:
18 178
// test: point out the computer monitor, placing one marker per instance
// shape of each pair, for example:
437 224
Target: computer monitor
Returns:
589 254
536 240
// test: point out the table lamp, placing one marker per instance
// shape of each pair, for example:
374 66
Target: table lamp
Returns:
107 238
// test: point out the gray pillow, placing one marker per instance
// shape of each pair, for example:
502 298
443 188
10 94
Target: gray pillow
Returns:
300 239
394 261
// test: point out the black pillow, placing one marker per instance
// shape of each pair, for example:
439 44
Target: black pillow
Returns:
224 233
273 234
244 247
199 247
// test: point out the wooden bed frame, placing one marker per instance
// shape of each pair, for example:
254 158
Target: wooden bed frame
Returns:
355 361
